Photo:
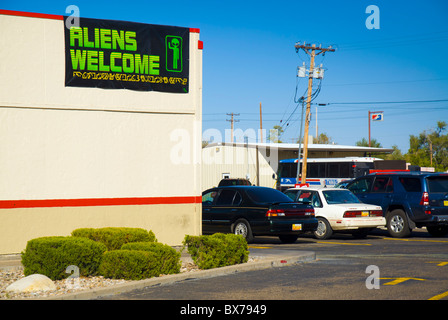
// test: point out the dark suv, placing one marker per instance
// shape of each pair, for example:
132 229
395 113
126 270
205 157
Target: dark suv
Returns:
408 199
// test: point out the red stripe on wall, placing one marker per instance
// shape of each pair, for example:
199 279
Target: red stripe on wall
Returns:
53 203
31 14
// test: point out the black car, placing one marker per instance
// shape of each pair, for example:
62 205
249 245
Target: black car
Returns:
408 199
252 211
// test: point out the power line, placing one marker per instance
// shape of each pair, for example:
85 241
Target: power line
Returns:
385 102
382 82
395 41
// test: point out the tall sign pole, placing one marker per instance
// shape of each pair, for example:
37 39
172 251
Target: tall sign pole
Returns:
312 51
374 116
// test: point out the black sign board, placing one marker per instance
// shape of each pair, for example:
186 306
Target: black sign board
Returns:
112 54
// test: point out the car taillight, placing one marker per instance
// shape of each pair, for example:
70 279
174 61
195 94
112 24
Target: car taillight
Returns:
309 212
425 199
354 214
351 214
275 213
296 212
377 213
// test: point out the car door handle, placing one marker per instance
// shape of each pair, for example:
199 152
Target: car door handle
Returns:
233 210
207 209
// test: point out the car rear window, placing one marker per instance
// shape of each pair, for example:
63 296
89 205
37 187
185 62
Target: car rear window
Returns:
292 194
338 197
438 184
411 184
267 195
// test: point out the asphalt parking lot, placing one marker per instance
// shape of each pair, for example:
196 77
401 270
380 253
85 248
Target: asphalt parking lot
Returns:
413 268
375 268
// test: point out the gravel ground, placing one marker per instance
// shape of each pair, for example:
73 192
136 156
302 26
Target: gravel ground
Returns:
64 286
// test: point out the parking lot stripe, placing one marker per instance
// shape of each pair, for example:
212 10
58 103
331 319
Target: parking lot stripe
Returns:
257 247
412 240
440 263
399 280
439 296
345 243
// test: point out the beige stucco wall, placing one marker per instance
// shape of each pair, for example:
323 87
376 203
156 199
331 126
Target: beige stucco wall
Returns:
72 154
170 222
60 142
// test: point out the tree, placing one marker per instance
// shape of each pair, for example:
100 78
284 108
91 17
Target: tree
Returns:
365 143
275 134
430 149
395 155
323 138
373 144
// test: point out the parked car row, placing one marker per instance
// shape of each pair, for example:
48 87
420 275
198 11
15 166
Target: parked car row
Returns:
398 200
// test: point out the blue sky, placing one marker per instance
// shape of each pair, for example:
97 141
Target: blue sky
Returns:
249 57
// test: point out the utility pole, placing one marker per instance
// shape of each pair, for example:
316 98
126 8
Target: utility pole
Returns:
231 123
312 51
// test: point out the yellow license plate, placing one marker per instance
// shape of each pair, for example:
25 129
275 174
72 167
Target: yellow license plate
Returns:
364 213
445 203
297 226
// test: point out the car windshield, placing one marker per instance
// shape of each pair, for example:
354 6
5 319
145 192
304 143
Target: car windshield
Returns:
339 196
267 195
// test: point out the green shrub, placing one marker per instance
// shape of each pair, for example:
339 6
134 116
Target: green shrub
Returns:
129 264
114 238
168 259
217 250
51 256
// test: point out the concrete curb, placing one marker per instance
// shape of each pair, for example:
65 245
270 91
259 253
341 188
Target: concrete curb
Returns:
264 262
10 262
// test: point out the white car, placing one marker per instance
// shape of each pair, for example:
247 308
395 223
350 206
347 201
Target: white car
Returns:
339 210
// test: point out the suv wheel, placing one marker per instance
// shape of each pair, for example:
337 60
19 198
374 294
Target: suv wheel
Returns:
397 224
